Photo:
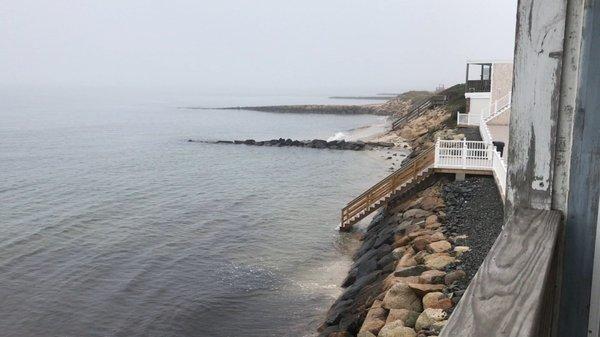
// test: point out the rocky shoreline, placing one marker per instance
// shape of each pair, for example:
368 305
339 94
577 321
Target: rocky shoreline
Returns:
312 144
416 259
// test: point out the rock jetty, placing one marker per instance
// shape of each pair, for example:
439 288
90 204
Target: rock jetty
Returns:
316 109
313 144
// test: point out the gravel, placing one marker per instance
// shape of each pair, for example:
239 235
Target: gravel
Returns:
473 208
470 133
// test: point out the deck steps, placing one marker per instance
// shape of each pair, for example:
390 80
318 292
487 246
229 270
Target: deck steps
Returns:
419 109
410 174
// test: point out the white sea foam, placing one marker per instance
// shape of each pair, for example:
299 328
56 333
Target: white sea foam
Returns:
337 136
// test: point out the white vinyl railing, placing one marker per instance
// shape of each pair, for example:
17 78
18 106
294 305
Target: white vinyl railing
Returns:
463 154
486 113
499 169
485 133
471 155
474 155
503 102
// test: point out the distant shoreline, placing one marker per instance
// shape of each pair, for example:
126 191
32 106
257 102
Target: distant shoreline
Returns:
383 97
370 109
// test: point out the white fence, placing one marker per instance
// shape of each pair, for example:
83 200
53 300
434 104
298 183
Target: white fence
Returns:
463 154
486 113
471 155
499 172
503 103
485 133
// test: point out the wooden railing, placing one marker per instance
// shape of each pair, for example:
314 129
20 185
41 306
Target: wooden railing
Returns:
512 293
419 108
449 156
369 201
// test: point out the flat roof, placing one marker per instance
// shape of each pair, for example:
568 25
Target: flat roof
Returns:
488 61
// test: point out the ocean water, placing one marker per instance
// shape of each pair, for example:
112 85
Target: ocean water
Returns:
111 224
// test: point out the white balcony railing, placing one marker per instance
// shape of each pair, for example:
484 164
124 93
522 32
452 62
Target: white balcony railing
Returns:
464 154
486 113
471 155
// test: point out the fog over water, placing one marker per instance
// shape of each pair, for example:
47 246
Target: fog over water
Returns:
251 47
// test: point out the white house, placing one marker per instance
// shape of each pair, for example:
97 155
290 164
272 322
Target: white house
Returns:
486 83
488 94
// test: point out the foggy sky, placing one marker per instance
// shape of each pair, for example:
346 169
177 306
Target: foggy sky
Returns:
258 46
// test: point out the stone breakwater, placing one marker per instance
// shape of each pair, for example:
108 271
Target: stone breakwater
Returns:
405 278
313 144
317 109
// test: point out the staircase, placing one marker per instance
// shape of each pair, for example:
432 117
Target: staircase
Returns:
421 107
410 174
501 105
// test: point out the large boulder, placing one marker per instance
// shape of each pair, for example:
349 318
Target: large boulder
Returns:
428 317
432 276
399 252
319 143
410 271
416 213
396 329
431 219
420 243
400 296
365 334
436 300
407 316
422 289
437 236
435 225
372 326
438 260
375 320
431 203
439 246
336 311
391 280
454 276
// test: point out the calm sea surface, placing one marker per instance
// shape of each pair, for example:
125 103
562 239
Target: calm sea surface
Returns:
111 224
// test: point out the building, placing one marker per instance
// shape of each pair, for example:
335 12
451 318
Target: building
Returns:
488 91
486 83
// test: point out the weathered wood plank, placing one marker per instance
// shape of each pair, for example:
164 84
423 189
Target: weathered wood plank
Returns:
584 188
506 295
535 102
